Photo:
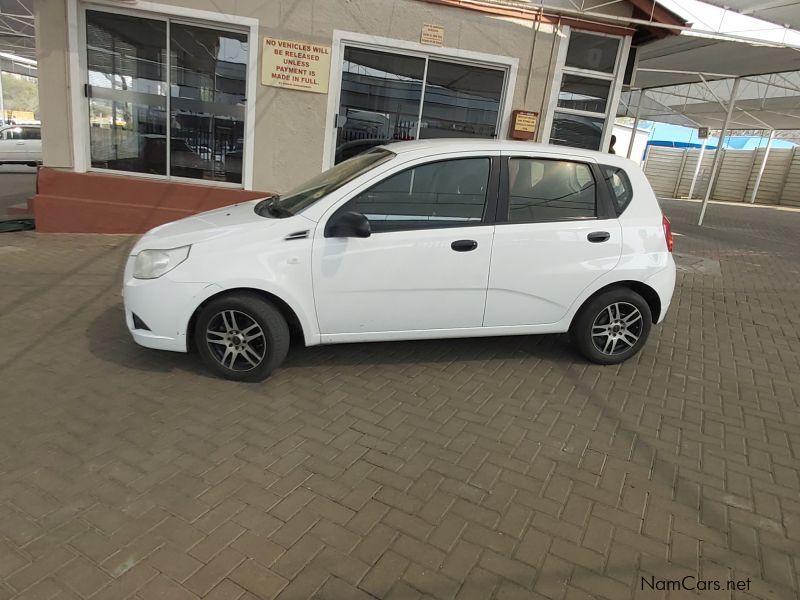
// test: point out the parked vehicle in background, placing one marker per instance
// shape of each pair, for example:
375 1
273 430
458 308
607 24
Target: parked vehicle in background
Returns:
424 239
21 144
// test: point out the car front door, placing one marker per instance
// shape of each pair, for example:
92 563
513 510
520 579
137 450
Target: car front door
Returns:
11 144
555 235
426 263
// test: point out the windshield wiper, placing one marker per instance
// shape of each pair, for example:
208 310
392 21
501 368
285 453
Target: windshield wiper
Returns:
271 206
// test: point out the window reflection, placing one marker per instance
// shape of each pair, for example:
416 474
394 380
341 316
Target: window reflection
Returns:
380 100
126 64
584 93
461 101
577 131
207 102
128 103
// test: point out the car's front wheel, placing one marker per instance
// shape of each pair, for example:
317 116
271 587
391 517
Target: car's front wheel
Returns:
612 327
241 336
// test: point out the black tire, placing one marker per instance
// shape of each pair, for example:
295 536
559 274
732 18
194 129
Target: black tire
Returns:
231 321
605 334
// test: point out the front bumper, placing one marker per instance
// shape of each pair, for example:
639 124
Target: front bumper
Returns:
164 306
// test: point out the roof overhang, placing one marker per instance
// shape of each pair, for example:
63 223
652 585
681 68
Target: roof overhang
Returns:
17 32
781 12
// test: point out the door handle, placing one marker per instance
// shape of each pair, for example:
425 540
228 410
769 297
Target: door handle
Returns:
598 236
464 245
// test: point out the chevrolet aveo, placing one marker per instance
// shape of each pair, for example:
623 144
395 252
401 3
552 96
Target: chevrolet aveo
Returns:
415 240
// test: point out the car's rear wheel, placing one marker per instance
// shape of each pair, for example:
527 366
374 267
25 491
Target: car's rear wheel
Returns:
612 327
241 336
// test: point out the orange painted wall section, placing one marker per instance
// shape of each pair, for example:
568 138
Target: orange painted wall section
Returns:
68 202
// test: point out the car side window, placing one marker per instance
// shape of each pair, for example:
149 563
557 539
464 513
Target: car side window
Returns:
15 133
31 133
620 186
542 190
446 193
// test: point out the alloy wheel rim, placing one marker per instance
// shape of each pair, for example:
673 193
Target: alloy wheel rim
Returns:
236 340
617 328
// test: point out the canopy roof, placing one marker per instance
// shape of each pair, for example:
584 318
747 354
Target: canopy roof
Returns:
17 34
782 12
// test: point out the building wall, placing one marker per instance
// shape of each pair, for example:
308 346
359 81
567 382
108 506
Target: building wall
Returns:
54 103
290 124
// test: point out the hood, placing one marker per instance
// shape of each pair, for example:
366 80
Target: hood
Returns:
204 226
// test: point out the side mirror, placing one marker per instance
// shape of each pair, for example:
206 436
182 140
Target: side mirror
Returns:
349 224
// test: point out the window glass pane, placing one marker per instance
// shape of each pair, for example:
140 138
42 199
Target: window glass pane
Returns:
584 93
620 185
592 51
127 108
549 190
576 131
331 180
380 100
441 194
461 101
31 133
208 82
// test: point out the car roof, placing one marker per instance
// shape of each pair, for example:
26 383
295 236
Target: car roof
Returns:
446 145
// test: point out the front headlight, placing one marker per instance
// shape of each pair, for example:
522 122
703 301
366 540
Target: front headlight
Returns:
150 264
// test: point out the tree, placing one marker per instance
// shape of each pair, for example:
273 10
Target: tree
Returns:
20 93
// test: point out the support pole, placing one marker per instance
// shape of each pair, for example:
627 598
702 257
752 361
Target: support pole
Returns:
763 166
715 163
697 168
635 124
2 105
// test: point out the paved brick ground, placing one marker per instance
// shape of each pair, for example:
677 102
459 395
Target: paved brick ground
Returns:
505 468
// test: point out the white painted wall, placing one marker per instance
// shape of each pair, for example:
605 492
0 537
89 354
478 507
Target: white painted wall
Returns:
623 133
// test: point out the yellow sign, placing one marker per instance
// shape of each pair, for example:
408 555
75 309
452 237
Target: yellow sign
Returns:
432 34
526 121
296 65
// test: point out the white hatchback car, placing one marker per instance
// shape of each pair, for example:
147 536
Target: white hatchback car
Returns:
21 144
425 239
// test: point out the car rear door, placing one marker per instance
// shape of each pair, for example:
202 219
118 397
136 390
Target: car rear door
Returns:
426 264
555 234
32 144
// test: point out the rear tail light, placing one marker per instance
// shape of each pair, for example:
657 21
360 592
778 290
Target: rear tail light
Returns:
667 231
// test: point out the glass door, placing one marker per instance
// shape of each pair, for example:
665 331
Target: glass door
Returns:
127 76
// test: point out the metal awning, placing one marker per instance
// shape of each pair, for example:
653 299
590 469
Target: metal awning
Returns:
17 32
782 12
688 58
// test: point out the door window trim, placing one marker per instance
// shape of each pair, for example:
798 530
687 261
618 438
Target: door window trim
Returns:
343 39
76 41
489 210
603 204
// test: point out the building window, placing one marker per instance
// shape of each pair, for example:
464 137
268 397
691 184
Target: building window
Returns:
584 91
165 98
387 96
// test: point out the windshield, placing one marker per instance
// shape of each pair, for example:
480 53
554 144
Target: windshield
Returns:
332 179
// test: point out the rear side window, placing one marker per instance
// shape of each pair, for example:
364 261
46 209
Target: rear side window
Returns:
542 190
619 185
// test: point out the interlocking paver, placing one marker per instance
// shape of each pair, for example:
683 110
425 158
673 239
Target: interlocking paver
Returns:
487 468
